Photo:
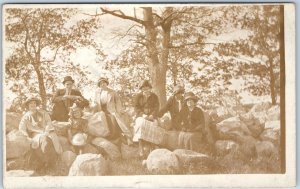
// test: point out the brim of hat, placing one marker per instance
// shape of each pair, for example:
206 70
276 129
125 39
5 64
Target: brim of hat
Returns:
68 80
150 86
38 102
106 81
193 98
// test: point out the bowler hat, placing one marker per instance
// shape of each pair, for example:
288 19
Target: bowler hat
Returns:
190 95
32 98
145 83
178 89
68 78
102 79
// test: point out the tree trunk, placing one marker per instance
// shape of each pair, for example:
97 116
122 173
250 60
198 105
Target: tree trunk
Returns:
272 82
42 89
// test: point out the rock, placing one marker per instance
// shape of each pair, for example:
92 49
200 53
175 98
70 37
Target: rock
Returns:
66 146
247 146
264 106
12 121
271 132
16 144
220 113
88 148
162 161
189 156
254 123
68 158
274 125
266 149
171 140
111 149
227 129
223 147
19 173
256 129
273 113
89 165
129 152
16 163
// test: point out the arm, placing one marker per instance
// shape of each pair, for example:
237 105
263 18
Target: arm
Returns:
23 125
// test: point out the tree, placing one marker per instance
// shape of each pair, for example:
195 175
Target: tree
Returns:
40 36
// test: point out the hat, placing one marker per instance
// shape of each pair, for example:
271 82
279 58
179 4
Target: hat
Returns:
103 79
178 89
190 95
79 139
32 98
68 78
145 83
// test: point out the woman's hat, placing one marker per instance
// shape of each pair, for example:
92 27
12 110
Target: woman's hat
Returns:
68 78
79 139
145 83
32 98
102 79
178 89
190 95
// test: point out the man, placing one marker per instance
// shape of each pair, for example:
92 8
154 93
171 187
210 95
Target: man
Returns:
63 99
174 105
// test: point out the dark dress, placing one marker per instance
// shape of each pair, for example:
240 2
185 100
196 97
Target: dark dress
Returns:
146 105
61 106
172 106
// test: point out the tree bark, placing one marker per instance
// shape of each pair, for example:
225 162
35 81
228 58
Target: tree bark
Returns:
42 89
272 82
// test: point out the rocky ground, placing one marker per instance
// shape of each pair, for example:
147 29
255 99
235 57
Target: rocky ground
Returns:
243 140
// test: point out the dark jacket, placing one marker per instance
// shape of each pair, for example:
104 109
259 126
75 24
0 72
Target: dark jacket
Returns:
61 106
193 120
148 106
172 106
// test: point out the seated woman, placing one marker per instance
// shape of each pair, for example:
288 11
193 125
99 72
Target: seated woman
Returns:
146 106
192 124
109 103
36 125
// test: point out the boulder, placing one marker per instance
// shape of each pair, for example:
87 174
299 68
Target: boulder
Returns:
189 156
88 148
266 149
253 122
66 146
17 144
228 128
247 146
261 107
12 121
271 132
273 113
19 173
171 140
67 158
111 149
89 165
129 152
274 125
223 147
220 113
162 161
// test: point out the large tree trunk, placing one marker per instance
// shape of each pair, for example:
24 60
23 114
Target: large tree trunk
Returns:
272 82
42 89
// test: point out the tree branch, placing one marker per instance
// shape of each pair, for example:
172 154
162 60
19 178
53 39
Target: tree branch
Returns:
45 61
122 15
190 44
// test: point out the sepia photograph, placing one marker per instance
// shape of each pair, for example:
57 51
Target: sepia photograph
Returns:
154 92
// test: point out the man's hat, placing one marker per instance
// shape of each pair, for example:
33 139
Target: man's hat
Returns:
190 95
178 89
145 83
102 79
68 78
32 98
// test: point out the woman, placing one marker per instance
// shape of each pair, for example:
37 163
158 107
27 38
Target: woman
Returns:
193 124
146 130
36 125
109 103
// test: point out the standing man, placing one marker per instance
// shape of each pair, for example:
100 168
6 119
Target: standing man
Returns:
64 98
174 105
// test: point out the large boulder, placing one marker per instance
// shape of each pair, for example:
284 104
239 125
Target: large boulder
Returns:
129 152
12 121
88 148
19 173
266 149
189 156
273 113
111 149
261 107
67 158
162 161
253 123
224 147
229 128
271 132
220 113
89 165
17 144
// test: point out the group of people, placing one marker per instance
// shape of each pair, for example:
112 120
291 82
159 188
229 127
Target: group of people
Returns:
67 118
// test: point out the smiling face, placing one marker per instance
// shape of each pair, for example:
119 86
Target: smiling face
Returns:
68 85
103 84
76 113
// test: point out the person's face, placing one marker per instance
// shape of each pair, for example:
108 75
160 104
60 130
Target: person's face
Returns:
77 113
146 90
32 105
190 103
102 84
179 95
68 84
